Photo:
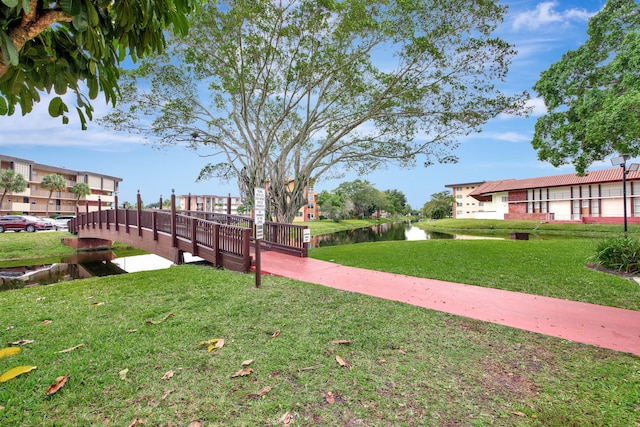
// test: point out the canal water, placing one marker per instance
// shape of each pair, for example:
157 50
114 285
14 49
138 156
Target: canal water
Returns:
104 263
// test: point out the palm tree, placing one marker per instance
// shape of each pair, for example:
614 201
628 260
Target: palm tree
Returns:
80 189
11 182
53 182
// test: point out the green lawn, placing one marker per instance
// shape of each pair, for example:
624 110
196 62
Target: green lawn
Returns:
140 358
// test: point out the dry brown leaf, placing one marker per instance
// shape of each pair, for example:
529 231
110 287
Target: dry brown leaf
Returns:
97 303
136 422
247 362
341 342
168 375
402 351
260 393
132 331
45 322
330 398
520 414
60 382
21 342
286 419
242 373
167 393
1 407
275 334
67 350
342 362
194 424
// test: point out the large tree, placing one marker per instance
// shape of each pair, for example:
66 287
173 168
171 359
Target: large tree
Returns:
440 206
305 89
55 45
52 182
11 182
593 93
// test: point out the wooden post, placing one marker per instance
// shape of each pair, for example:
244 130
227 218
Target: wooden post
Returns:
189 204
258 272
229 209
174 234
86 208
139 214
194 239
99 213
154 226
216 245
116 220
160 205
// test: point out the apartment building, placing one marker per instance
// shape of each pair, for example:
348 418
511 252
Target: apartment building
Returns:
465 206
209 203
33 200
597 197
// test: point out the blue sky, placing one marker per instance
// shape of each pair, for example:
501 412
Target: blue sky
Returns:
540 30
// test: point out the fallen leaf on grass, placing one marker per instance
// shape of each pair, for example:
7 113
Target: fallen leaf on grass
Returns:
275 334
167 393
342 362
136 422
123 374
67 350
247 362
194 424
330 398
14 372
60 382
155 322
168 375
97 303
260 393
1 408
520 414
40 298
341 342
10 327
9 351
132 331
21 342
286 419
213 344
242 373
45 322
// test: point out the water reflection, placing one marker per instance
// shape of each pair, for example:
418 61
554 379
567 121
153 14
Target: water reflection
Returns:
80 266
385 232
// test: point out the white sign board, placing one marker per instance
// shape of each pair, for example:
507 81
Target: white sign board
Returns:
259 233
260 199
306 235
259 217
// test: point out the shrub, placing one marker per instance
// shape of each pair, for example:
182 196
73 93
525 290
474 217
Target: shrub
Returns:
619 253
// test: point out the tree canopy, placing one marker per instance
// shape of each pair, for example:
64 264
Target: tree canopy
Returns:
11 182
54 45
305 89
593 93
80 190
53 182
440 206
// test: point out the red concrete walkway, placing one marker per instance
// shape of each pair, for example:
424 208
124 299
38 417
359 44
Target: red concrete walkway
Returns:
606 327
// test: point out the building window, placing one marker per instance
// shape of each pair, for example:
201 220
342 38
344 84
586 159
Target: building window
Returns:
458 188
543 207
505 199
595 208
459 212
459 196
459 204
480 203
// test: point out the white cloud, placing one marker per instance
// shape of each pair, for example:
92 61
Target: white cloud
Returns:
537 107
545 13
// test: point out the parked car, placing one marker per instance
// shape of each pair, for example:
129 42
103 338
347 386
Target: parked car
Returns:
19 223
51 221
62 221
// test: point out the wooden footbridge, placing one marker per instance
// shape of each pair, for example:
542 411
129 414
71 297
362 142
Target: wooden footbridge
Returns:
224 240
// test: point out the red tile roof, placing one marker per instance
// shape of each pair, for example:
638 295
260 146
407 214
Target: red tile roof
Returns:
593 177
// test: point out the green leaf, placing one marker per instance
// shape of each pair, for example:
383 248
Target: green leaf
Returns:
10 3
9 51
56 107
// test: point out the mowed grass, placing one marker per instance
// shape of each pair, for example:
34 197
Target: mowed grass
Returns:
554 268
406 366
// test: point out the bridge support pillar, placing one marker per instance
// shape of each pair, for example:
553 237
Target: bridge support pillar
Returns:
87 243
178 257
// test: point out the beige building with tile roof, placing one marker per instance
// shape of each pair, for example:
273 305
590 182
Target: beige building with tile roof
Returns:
596 197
